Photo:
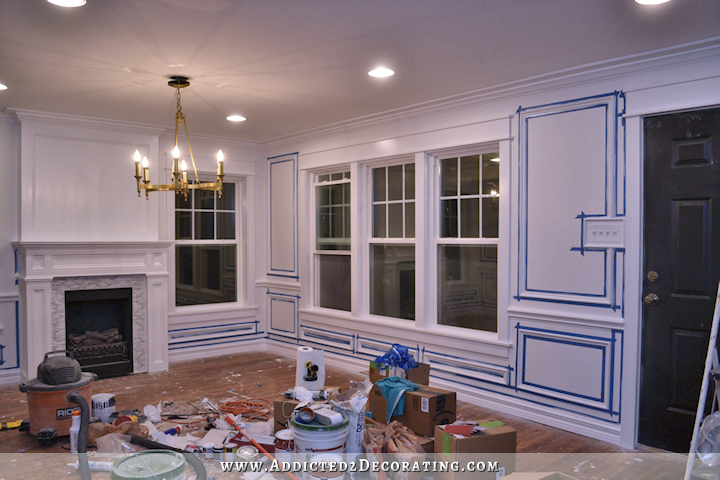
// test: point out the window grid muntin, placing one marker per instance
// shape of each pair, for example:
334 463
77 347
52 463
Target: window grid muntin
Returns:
460 196
386 204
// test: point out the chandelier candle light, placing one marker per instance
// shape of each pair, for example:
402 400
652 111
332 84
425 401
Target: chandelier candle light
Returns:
179 183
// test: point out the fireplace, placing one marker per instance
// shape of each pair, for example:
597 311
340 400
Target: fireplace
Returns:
98 327
47 270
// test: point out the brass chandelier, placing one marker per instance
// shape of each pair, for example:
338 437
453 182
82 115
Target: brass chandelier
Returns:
179 182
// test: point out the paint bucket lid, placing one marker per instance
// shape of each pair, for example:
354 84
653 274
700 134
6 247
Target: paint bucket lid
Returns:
149 464
285 434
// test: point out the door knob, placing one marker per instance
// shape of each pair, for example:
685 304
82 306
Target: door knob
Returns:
651 299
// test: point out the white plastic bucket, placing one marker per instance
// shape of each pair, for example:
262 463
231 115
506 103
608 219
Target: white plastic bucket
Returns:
103 405
313 438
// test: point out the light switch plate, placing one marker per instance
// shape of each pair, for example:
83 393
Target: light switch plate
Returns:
604 233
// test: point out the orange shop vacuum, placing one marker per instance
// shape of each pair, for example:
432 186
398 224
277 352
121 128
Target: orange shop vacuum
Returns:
47 395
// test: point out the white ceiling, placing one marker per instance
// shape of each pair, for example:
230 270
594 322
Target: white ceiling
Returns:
294 65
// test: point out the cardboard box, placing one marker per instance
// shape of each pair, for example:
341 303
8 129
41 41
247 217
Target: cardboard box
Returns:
424 409
499 440
282 409
539 476
419 374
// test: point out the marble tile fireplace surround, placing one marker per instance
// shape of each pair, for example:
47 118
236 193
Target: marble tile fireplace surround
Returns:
46 270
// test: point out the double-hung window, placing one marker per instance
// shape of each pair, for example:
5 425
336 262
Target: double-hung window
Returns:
392 242
467 243
332 241
206 247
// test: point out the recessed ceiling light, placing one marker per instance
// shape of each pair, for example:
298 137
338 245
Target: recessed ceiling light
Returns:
3 86
68 3
651 2
496 160
381 72
236 118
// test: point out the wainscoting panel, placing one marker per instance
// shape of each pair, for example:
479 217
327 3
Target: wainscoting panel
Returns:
327 337
574 368
283 178
568 228
283 314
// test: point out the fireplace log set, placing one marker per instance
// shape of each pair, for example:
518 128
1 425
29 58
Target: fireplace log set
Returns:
94 344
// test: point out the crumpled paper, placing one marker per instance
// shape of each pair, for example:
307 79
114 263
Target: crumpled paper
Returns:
153 413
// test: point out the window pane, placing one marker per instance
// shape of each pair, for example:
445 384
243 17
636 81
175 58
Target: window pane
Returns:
205 274
410 181
334 281
336 176
225 226
180 201
395 220
322 195
323 178
449 218
183 225
333 228
467 281
204 199
410 220
379 221
490 173
392 281
490 218
395 182
378 184
204 226
227 201
449 177
470 217
470 175
346 193
184 265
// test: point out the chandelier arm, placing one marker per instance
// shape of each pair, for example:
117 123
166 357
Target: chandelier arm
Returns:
187 135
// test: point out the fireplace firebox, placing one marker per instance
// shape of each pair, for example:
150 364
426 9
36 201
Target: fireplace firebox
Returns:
98 327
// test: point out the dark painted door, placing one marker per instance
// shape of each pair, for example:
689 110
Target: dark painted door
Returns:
681 270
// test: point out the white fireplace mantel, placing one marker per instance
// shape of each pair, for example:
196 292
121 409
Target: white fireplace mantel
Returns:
39 263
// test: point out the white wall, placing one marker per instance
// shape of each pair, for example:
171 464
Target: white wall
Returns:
568 335
8 232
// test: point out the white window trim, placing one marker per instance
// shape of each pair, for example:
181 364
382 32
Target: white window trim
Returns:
240 242
427 223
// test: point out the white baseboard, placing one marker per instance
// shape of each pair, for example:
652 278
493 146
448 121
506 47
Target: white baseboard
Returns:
10 377
209 351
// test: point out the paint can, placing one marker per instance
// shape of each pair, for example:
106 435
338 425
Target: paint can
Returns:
314 438
103 405
327 467
207 449
284 445
229 452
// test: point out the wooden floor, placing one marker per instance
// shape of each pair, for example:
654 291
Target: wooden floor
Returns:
266 375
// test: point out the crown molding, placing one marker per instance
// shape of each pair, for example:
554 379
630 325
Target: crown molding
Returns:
620 67
32 116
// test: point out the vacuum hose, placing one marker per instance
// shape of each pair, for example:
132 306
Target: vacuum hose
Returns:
83 466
